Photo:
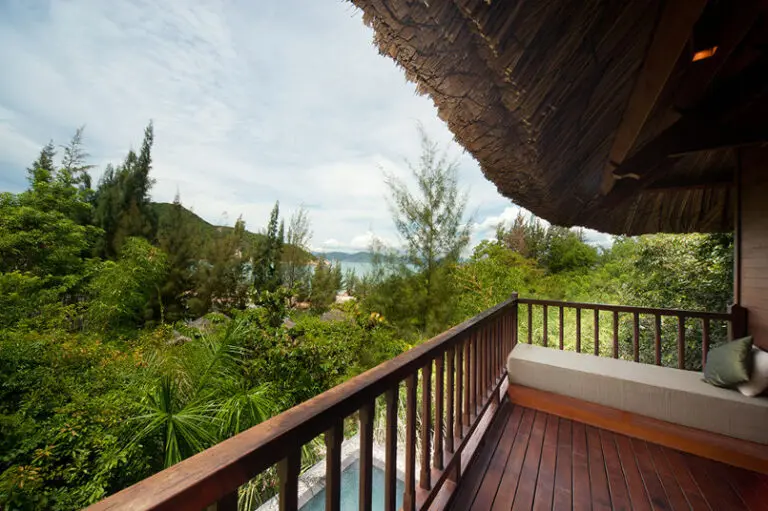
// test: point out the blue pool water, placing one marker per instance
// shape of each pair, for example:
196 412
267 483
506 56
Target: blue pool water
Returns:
350 484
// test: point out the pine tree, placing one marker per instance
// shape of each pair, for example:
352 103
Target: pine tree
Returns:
176 237
431 222
295 255
43 169
122 203
267 274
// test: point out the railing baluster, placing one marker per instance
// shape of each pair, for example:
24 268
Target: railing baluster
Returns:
657 339
545 327
409 496
530 323
615 334
473 370
228 502
366 457
333 439
483 360
467 404
636 336
597 331
449 405
390 460
578 329
425 481
560 328
499 344
681 342
288 476
704 342
439 399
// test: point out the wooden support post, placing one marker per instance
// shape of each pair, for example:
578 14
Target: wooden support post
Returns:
738 323
636 336
425 481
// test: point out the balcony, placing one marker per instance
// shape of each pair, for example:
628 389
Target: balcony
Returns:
472 440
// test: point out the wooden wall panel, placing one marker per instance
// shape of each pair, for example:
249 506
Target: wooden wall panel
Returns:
754 241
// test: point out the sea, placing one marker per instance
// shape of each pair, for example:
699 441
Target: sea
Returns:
361 269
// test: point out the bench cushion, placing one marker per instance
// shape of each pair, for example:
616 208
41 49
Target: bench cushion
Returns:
672 395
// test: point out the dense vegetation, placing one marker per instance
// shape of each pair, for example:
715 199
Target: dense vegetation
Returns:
133 334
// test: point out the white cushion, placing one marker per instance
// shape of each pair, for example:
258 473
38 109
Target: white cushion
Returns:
667 394
758 381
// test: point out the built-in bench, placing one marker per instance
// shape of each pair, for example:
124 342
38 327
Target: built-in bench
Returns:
669 406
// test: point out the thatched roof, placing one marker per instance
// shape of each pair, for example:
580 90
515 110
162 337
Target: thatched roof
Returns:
558 99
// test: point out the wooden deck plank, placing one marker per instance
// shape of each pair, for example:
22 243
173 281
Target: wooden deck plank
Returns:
731 499
526 487
492 479
582 496
671 487
751 487
601 497
616 483
687 483
533 460
563 478
508 486
651 479
711 491
473 477
545 485
637 494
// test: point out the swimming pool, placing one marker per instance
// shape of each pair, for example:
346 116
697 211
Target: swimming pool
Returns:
350 484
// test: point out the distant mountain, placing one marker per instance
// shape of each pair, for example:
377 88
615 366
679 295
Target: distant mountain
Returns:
347 257
207 230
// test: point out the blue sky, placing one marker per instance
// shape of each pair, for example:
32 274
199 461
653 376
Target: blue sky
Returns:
252 102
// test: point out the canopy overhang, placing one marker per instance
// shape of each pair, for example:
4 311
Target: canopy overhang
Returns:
621 116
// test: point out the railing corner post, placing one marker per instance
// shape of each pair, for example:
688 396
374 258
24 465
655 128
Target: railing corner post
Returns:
738 324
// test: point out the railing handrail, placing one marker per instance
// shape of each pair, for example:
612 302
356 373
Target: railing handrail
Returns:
724 316
219 470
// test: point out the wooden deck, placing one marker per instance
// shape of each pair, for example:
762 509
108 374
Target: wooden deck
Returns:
533 460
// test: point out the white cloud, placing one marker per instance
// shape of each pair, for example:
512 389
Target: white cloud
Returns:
252 103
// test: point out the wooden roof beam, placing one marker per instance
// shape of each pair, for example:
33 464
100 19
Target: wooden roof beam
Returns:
686 136
673 31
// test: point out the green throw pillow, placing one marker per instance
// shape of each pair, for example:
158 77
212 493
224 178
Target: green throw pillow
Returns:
729 364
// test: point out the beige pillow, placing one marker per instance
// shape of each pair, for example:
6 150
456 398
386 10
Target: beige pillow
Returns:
758 381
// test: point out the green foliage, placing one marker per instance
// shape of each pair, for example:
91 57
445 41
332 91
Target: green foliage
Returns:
63 409
123 290
326 282
220 277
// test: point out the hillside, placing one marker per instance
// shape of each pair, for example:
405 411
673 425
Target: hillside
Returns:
207 230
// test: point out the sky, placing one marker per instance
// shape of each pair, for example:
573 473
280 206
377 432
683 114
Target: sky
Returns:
252 102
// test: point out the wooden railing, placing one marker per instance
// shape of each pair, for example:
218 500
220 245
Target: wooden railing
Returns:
462 374
735 319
